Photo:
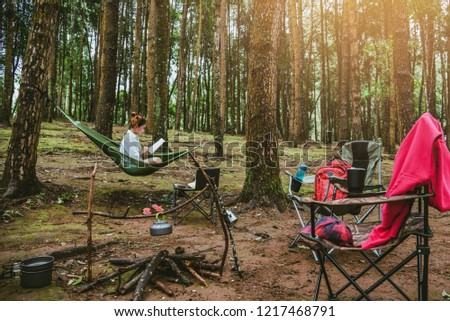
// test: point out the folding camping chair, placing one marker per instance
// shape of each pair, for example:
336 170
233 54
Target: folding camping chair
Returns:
182 190
416 224
360 154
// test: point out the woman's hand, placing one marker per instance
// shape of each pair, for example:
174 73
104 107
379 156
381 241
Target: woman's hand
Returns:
153 160
144 151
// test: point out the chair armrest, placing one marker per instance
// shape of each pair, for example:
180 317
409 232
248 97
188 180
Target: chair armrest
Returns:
288 173
365 200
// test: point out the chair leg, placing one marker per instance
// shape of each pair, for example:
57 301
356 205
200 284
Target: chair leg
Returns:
347 276
322 273
174 203
195 206
423 251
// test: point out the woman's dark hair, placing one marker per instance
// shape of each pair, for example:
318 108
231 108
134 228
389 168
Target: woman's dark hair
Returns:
136 120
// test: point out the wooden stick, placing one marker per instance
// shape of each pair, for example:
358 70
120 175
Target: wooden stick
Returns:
106 278
216 199
131 283
206 266
187 257
89 224
178 272
124 261
125 217
163 287
194 273
210 274
147 275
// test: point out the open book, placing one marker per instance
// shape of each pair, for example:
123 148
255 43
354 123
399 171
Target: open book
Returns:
156 145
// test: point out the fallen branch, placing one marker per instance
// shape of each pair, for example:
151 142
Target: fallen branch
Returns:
78 250
187 257
106 278
147 275
124 261
178 272
121 217
210 274
194 273
163 287
114 216
206 266
131 283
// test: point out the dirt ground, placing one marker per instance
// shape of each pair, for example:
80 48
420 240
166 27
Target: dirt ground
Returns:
271 270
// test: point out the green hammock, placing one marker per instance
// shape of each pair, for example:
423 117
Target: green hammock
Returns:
129 165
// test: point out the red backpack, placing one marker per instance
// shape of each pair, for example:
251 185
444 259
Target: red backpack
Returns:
337 167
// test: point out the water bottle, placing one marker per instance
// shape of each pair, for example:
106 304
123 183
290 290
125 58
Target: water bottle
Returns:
301 172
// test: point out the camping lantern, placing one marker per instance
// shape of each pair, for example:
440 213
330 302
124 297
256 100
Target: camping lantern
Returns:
160 227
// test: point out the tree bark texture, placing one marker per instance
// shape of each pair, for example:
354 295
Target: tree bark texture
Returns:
430 22
135 94
217 98
262 185
402 67
162 47
344 132
448 74
108 77
354 71
193 104
296 64
8 86
181 66
151 99
19 176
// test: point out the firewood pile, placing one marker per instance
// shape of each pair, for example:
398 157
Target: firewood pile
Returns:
136 274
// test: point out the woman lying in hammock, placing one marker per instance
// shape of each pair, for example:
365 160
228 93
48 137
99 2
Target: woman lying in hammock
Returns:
131 145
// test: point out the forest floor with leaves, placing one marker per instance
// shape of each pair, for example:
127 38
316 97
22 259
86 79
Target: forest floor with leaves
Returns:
44 223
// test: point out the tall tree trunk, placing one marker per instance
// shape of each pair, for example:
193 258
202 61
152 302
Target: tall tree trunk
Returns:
338 34
296 64
344 133
181 66
19 176
151 98
402 66
354 70
323 78
162 45
262 185
135 94
8 89
431 59
219 75
448 74
62 58
197 58
238 71
98 65
223 65
107 98
390 108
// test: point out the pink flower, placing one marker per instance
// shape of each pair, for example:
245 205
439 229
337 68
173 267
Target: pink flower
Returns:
157 208
147 211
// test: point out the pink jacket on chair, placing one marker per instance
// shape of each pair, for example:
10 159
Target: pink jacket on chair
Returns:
422 159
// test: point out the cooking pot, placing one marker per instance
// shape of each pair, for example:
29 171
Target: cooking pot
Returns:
35 279
36 272
37 263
